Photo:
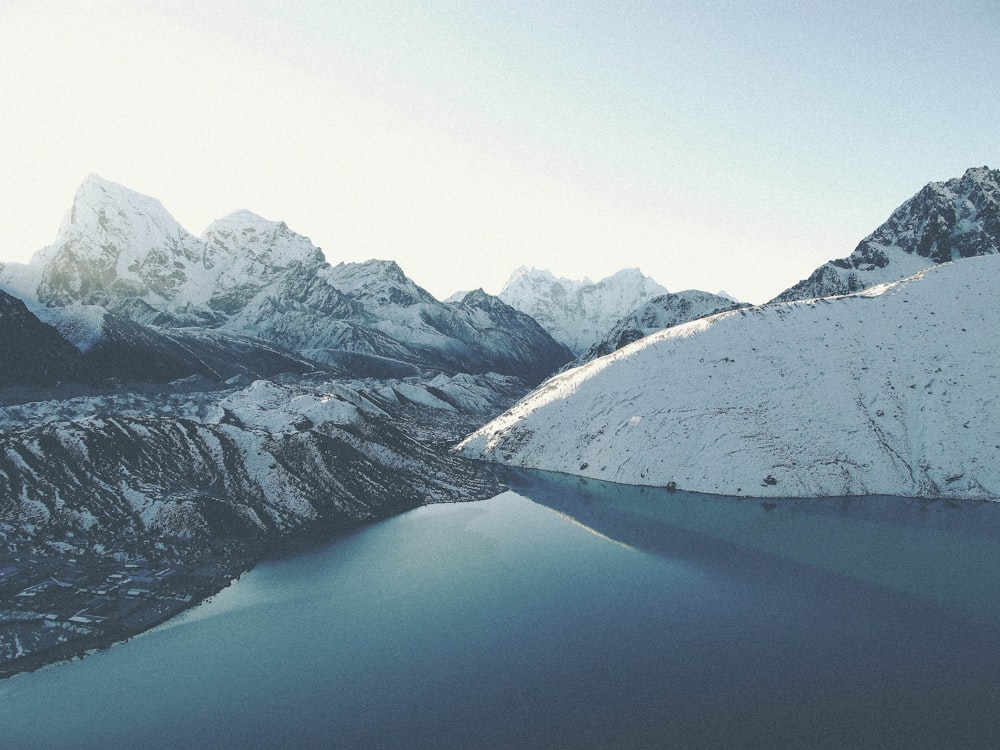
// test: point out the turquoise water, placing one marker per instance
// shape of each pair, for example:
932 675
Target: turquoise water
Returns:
589 615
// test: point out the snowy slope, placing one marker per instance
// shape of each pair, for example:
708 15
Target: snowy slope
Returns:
945 221
578 313
890 391
115 245
254 253
660 312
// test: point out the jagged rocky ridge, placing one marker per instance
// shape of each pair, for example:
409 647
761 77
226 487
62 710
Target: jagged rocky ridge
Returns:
889 391
120 256
578 313
945 221
664 311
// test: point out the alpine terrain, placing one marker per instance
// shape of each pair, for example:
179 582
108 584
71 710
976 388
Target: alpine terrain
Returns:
121 262
578 313
661 312
175 406
945 221
888 390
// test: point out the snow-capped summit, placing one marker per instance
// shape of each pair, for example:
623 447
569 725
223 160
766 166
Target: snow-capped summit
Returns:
380 282
122 264
105 209
945 221
578 313
245 236
888 391
255 254
116 244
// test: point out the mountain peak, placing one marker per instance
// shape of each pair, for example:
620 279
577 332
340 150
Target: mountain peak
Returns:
244 217
249 236
530 274
379 281
944 221
981 173
578 313
101 207
116 244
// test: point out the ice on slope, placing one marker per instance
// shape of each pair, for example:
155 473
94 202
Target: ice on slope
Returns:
81 325
891 391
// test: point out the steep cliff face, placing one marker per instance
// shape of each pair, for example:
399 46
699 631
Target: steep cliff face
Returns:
945 221
116 245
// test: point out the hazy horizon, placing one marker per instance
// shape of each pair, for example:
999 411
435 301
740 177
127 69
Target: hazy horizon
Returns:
715 146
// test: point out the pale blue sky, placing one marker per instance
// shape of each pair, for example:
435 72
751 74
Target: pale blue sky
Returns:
716 145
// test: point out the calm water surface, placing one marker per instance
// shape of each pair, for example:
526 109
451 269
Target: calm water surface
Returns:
589 615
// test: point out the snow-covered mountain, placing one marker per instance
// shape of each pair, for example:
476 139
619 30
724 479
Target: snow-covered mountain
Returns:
121 253
116 246
660 312
578 313
945 221
889 391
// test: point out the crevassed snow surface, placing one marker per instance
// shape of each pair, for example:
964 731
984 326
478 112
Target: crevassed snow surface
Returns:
890 391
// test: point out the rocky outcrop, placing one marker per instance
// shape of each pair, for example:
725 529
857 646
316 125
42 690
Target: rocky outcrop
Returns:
34 354
945 221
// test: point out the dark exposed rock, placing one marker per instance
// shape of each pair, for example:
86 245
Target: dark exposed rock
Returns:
33 353
664 311
943 222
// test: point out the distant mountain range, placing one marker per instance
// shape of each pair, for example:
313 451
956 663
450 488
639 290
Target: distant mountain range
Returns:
578 313
124 280
664 311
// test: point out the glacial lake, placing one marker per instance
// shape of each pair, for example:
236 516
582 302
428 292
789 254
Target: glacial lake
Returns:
571 614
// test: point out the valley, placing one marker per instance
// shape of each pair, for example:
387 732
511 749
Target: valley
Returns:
175 408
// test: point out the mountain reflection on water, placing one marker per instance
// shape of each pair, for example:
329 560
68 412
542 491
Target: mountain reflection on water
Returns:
570 614
946 552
